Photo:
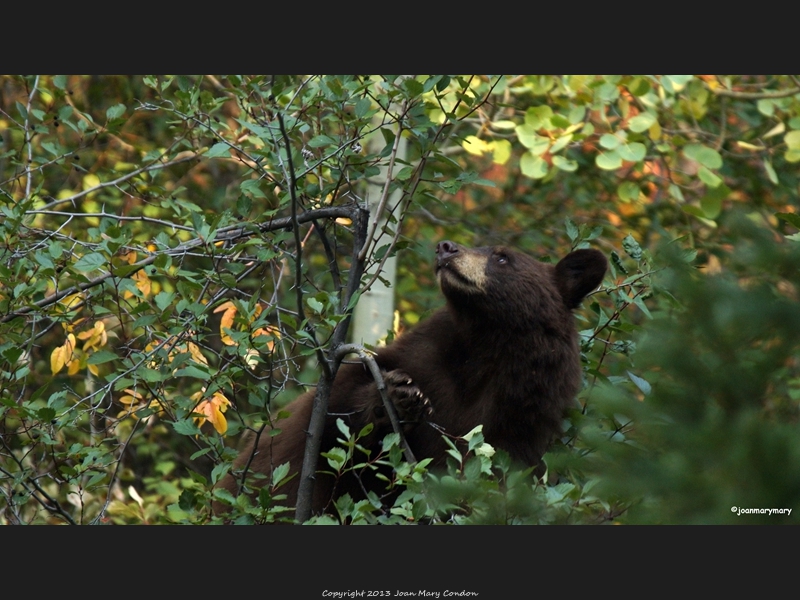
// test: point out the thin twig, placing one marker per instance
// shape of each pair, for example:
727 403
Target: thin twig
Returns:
29 138
375 370
385 193
151 167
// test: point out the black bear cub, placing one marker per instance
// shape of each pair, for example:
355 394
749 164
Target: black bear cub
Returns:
503 353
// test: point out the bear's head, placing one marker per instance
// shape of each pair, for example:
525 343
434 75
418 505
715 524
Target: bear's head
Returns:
500 285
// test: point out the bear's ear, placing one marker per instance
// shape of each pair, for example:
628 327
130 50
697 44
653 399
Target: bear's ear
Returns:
578 273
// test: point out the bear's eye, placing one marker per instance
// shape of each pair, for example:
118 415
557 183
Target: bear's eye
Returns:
502 259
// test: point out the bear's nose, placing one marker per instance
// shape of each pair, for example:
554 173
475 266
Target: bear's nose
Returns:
446 249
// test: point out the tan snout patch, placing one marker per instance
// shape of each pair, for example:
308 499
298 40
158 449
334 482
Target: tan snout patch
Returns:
466 271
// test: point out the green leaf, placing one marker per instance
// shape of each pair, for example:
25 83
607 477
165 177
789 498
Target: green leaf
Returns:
90 262
315 305
46 414
200 453
100 357
561 143
608 160
149 375
675 83
633 151
186 500
609 141
186 427
162 261
112 112
362 107
413 86
632 247
342 426
192 371
572 229
642 122
791 218
628 191
336 458
773 176
711 205
280 473
534 167
538 117
321 141
163 300
218 150
637 300
766 107
707 177
576 114
639 86
219 471
528 137
708 157
565 164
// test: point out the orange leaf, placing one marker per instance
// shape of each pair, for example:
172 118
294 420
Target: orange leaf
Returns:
213 409
226 322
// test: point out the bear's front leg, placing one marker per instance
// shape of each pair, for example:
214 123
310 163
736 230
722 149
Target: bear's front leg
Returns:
411 405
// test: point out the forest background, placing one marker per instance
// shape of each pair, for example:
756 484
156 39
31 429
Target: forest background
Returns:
179 257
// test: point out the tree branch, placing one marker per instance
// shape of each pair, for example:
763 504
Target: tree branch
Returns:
375 370
224 234
319 410
755 95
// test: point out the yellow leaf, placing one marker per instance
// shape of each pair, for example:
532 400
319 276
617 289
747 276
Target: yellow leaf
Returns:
71 301
95 337
251 358
219 422
502 152
777 130
748 146
654 132
90 180
196 354
74 365
792 140
128 256
475 145
62 355
132 397
142 282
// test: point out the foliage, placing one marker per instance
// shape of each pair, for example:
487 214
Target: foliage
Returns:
179 257
724 407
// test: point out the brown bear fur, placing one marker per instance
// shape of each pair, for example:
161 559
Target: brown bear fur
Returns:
503 353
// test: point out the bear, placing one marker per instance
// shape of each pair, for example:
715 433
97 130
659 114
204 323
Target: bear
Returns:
503 353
